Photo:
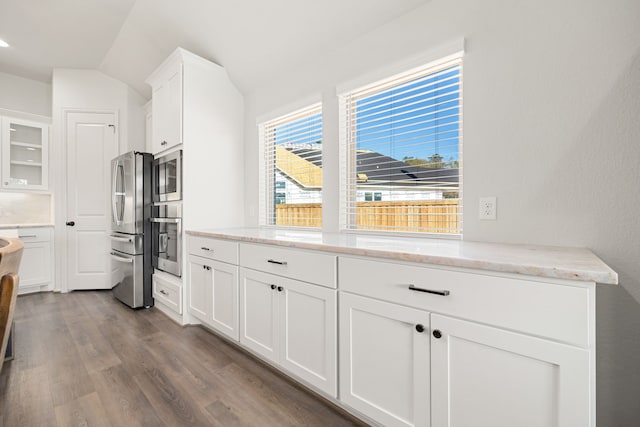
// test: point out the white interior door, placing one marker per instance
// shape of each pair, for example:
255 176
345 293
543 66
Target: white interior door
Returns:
91 144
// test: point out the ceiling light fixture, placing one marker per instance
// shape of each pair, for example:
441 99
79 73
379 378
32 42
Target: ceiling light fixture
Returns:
3 43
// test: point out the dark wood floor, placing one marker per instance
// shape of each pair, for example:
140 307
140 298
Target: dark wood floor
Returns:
84 359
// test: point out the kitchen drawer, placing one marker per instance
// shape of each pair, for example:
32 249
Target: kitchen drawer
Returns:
36 234
551 310
308 266
217 249
167 293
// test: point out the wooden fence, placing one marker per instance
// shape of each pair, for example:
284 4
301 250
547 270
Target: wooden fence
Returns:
427 216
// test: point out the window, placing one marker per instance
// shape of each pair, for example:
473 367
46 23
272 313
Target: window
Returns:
401 141
292 169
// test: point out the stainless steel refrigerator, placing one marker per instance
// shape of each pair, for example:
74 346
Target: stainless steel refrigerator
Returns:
131 204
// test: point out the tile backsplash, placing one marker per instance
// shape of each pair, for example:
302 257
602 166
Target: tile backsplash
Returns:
25 208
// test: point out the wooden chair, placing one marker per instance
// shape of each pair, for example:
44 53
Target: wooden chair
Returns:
10 256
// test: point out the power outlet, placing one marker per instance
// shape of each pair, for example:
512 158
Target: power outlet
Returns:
488 208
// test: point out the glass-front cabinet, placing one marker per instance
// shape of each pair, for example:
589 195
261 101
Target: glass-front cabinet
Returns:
25 154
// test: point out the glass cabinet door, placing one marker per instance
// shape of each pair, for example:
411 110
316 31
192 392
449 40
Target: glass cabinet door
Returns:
24 154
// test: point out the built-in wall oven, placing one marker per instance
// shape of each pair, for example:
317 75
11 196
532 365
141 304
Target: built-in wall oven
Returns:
167 238
167 177
167 213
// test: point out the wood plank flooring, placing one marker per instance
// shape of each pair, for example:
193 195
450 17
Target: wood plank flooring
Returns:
85 359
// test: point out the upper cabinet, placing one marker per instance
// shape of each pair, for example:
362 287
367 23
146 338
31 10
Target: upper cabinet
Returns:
25 154
197 108
166 129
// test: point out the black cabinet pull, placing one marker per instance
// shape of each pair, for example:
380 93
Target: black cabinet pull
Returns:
280 288
273 286
273 261
419 328
205 249
71 223
437 333
443 293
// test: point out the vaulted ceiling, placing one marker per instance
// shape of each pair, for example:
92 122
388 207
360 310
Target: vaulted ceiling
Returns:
126 39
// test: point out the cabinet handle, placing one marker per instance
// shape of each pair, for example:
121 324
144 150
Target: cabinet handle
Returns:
273 261
280 288
419 328
23 236
273 286
437 333
163 143
443 293
206 249
163 292
206 267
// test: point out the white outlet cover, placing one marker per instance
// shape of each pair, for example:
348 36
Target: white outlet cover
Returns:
488 208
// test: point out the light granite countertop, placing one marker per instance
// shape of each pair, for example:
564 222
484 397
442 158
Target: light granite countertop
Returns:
38 225
542 261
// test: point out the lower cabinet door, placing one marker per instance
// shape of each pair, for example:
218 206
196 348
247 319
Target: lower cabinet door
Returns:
224 307
35 266
384 360
213 294
259 313
484 376
200 289
308 334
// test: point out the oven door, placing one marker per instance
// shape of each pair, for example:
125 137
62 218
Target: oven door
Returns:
167 245
167 177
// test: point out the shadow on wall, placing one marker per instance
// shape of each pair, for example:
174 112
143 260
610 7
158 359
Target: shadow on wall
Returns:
606 157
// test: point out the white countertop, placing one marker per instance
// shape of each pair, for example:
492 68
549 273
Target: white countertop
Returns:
542 261
38 225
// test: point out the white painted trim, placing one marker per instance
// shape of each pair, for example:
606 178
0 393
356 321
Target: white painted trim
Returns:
300 104
60 211
25 116
440 53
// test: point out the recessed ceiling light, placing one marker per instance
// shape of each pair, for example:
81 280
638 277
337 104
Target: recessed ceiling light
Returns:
3 43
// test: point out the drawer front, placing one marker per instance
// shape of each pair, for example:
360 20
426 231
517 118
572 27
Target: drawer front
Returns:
167 293
555 311
220 250
38 234
308 266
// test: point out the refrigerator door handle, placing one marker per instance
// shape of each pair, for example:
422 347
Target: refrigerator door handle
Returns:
121 239
114 193
120 258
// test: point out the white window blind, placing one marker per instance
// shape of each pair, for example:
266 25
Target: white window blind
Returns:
292 182
402 140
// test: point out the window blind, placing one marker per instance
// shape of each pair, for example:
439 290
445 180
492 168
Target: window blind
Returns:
401 141
292 146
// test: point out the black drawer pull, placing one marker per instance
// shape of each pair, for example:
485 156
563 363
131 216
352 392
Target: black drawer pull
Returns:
429 291
273 286
273 261
206 249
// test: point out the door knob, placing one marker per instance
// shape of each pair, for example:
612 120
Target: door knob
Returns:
71 223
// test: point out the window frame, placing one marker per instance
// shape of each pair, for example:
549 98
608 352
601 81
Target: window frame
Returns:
266 169
347 146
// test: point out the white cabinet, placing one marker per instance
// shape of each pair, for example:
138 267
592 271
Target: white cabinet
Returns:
292 324
213 294
167 107
36 272
167 294
384 360
25 154
504 351
488 376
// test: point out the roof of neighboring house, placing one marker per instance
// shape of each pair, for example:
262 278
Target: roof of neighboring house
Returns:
373 169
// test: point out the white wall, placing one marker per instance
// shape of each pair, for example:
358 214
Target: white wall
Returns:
88 90
25 95
551 128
